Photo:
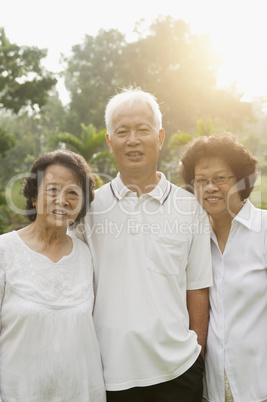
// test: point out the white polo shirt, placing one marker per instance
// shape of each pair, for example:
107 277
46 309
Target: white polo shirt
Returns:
147 252
237 336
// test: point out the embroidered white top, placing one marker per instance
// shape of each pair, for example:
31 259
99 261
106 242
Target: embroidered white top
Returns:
237 340
48 348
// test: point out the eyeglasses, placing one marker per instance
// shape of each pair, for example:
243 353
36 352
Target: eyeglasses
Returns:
217 181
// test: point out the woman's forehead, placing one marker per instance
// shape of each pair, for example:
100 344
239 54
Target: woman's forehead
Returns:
215 164
58 173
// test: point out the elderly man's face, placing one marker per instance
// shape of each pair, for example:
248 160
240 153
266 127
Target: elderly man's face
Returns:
135 141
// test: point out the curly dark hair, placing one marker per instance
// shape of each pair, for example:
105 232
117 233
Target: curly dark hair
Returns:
226 146
68 159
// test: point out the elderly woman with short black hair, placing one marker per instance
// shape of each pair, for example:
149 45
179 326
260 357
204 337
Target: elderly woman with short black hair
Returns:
222 173
48 347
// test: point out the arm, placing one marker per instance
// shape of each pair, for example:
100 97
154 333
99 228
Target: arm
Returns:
198 310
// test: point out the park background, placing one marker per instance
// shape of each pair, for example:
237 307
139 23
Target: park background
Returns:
60 62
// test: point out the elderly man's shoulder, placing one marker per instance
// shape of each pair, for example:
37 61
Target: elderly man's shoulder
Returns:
184 200
104 196
182 193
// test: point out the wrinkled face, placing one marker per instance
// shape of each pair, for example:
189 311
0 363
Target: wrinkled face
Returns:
59 198
217 199
135 141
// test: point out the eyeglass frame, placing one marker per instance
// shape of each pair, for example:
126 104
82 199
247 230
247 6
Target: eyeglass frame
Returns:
211 179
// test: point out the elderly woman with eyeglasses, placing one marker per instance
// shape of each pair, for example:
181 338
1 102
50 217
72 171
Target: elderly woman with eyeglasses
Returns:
222 173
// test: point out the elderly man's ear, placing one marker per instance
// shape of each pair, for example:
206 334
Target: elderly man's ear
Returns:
161 137
109 143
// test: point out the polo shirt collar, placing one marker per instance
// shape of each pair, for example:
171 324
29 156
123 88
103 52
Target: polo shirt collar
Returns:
162 190
118 189
159 193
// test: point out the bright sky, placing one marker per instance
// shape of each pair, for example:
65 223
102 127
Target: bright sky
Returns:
237 28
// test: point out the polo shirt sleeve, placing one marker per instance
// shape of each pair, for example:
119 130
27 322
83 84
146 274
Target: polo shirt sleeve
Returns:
78 231
199 266
264 225
2 275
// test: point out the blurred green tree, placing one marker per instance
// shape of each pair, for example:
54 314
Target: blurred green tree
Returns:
205 127
7 141
87 145
23 81
178 67
93 71
92 146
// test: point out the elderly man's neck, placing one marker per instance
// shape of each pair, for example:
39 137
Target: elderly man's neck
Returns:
141 184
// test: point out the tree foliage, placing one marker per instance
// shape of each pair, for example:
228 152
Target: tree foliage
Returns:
23 81
178 140
205 128
92 146
7 141
93 71
87 145
178 67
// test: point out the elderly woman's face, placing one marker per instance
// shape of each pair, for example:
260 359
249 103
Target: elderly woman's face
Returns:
215 187
59 199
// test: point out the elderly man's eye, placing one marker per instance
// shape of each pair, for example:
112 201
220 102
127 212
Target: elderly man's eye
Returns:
122 132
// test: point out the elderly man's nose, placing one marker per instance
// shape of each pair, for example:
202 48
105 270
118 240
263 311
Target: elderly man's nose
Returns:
133 137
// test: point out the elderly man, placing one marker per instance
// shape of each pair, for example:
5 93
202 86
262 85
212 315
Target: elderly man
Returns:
151 253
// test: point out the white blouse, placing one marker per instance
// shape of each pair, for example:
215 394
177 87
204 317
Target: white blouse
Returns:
237 340
48 347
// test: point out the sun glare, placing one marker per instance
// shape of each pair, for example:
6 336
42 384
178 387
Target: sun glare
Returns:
237 29
241 43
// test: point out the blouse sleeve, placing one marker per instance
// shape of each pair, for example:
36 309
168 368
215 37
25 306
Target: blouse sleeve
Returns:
199 267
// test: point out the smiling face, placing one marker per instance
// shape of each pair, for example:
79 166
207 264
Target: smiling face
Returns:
59 198
135 141
218 201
